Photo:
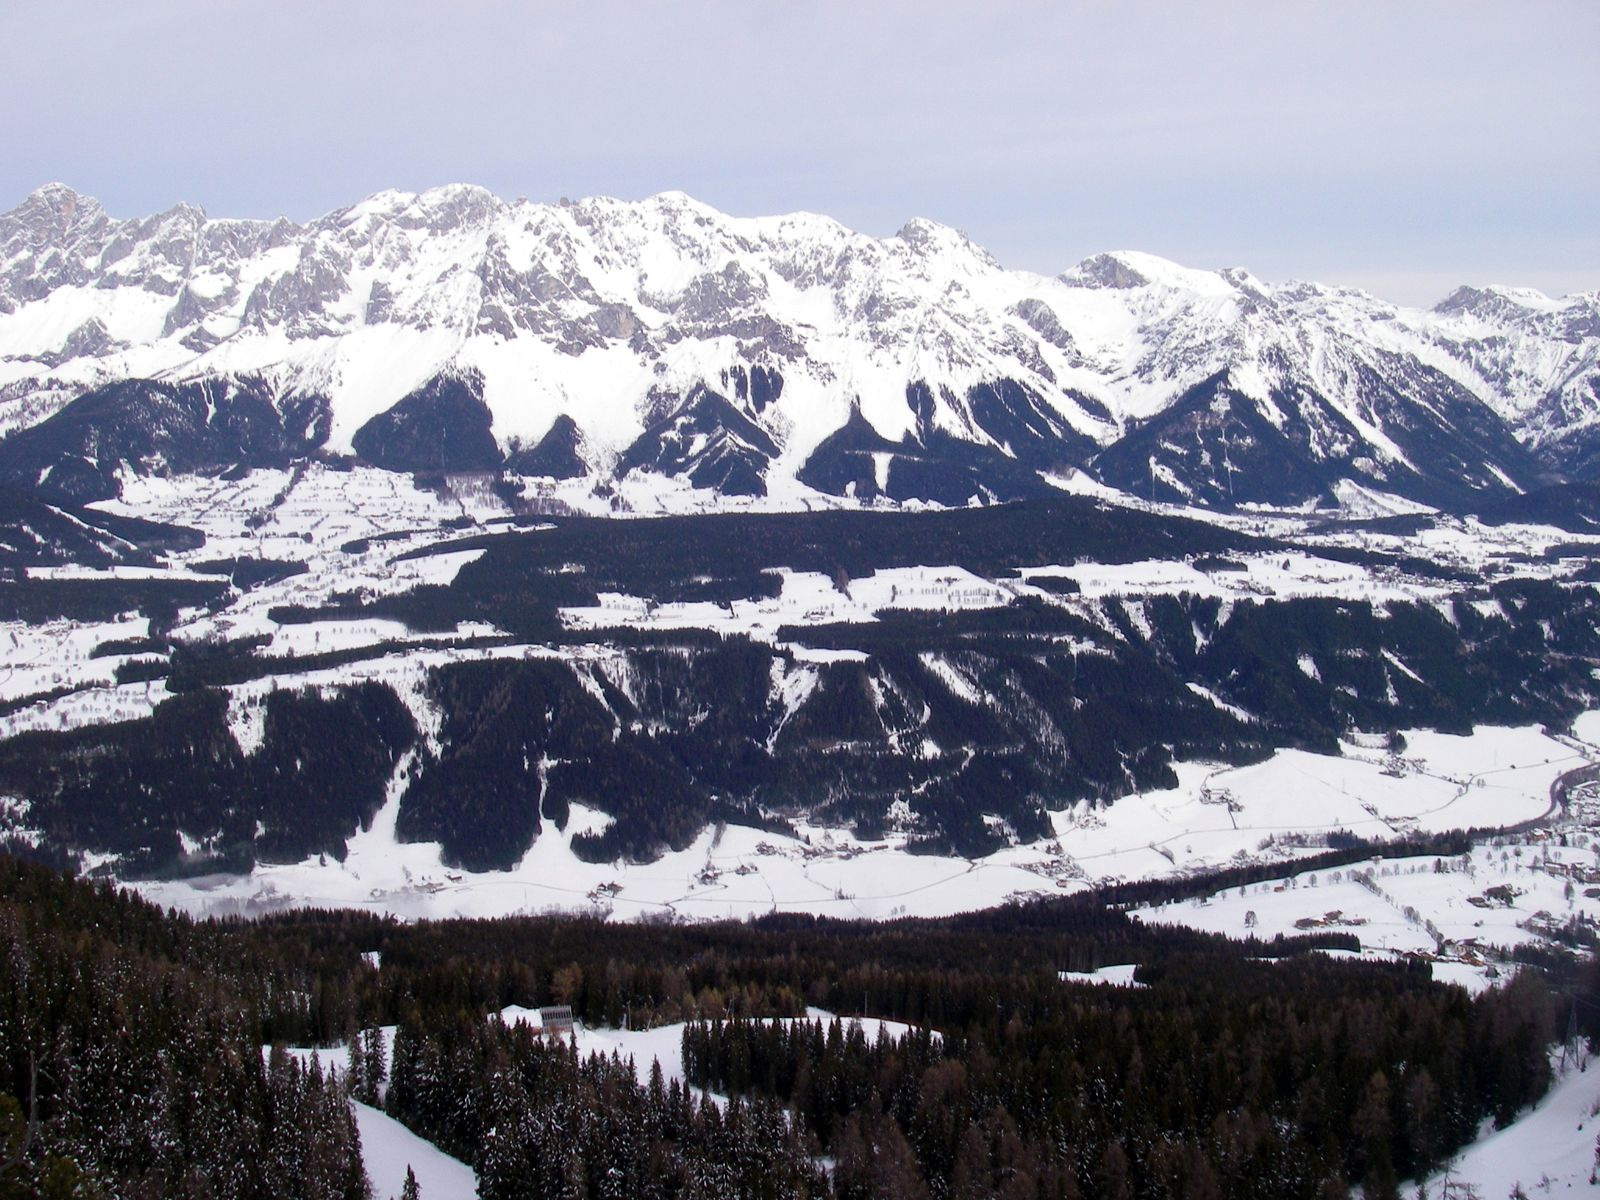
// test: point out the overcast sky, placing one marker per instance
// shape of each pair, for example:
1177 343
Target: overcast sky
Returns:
1400 146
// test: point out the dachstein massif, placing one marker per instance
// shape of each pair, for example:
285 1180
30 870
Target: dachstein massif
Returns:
787 356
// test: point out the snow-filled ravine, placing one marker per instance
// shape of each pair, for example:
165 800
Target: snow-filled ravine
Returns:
388 1148
1550 1150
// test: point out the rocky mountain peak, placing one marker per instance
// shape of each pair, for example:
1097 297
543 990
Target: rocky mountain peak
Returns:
49 216
1110 270
931 238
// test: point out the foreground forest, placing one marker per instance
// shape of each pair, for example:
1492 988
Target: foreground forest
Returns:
131 1061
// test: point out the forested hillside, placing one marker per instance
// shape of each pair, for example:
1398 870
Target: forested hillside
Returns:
963 730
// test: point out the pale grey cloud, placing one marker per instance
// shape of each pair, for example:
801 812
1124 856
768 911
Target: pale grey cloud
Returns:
1367 142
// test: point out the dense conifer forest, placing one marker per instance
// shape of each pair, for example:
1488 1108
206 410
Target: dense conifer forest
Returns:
131 1058
131 1061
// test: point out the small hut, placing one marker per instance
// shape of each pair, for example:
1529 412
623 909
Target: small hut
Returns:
555 1021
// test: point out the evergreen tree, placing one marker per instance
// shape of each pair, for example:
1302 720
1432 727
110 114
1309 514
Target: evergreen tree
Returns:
377 1067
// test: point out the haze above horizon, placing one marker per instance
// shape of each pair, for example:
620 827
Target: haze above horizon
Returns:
1402 149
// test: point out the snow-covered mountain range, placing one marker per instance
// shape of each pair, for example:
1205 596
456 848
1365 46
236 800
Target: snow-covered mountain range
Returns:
454 330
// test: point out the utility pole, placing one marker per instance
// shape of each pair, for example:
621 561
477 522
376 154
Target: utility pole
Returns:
1570 1043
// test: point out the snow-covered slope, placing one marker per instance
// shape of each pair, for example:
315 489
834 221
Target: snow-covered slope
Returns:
675 339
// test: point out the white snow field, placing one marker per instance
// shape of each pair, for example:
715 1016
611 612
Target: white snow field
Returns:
1459 912
1120 975
1462 913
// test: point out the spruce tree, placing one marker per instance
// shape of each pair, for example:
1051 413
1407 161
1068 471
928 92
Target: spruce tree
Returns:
376 1066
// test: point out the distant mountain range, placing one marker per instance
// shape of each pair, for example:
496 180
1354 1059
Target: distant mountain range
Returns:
782 356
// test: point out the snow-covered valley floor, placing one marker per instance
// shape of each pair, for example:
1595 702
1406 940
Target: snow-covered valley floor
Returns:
1281 809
